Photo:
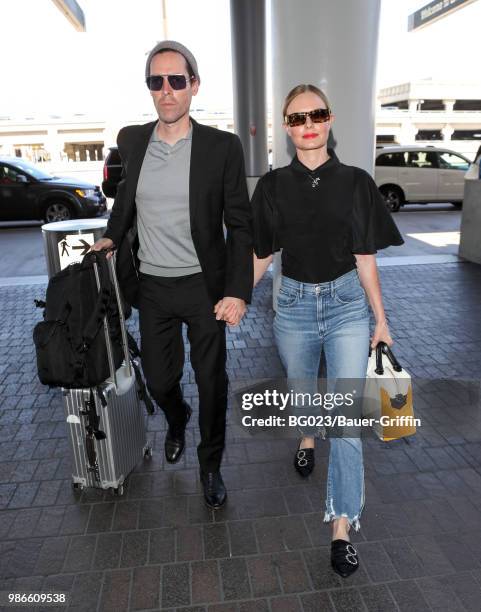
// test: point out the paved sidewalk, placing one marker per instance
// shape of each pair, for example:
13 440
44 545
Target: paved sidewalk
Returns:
158 547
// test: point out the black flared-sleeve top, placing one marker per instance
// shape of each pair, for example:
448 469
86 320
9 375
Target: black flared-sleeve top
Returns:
320 218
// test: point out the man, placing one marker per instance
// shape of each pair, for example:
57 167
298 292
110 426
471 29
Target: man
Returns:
181 181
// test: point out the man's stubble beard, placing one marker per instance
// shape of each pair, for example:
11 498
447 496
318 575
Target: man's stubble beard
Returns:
173 118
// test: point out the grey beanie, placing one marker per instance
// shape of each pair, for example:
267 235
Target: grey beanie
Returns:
174 46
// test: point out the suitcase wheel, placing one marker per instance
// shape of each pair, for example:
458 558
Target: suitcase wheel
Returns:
77 485
118 490
148 451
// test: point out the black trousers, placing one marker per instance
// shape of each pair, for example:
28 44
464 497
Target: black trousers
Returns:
166 303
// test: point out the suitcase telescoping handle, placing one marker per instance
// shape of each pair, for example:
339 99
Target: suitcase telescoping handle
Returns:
125 341
108 341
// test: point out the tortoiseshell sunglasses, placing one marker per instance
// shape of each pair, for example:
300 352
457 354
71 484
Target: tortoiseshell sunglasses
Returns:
318 115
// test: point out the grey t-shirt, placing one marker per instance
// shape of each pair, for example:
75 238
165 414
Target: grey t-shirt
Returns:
162 199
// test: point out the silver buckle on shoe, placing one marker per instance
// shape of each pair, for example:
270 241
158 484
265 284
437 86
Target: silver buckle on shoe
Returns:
351 555
301 460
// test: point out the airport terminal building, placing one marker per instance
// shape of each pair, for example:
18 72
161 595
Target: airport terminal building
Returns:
445 114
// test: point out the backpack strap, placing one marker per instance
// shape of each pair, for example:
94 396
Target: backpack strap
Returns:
100 309
133 346
142 389
66 304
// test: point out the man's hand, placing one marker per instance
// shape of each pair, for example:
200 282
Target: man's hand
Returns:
231 310
103 244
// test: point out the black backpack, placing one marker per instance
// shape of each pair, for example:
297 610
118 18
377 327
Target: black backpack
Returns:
70 343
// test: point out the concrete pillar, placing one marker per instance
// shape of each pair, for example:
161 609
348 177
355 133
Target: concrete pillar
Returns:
447 132
112 128
53 144
332 45
449 105
248 27
470 244
413 106
408 133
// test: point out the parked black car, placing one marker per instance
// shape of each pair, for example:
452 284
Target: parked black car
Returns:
27 192
112 172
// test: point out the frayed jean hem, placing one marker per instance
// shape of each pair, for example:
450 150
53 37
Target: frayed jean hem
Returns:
354 522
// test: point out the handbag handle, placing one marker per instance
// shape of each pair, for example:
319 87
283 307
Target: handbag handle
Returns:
381 348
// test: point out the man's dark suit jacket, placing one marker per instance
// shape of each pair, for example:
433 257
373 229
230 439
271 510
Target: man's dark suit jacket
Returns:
217 194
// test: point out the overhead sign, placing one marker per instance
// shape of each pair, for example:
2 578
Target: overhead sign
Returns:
434 10
73 12
73 247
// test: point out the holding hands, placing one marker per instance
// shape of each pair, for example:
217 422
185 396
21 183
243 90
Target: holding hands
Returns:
231 310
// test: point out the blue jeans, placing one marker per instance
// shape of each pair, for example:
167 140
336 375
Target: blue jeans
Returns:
334 316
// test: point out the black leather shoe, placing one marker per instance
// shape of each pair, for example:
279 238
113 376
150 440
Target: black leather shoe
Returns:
214 489
304 461
344 558
175 439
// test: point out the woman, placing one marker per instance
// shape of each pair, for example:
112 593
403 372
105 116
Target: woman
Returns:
329 219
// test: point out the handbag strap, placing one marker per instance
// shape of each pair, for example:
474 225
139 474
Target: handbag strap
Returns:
383 348
394 362
379 367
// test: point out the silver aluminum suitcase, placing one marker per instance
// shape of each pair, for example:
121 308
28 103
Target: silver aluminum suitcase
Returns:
107 425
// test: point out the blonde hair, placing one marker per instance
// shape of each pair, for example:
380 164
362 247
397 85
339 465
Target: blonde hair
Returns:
299 89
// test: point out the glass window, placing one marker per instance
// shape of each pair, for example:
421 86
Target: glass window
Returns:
421 159
113 158
8 175
450 161
30 169
390 159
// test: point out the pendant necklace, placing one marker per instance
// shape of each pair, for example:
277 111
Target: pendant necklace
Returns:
314 180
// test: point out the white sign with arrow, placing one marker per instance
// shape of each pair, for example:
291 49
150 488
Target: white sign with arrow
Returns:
73 247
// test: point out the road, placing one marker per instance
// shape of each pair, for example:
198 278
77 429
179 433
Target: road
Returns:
427 230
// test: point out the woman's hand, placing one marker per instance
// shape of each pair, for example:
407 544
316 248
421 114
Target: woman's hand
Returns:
381 334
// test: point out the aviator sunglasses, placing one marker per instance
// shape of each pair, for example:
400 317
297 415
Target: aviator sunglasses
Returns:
318 115
176 81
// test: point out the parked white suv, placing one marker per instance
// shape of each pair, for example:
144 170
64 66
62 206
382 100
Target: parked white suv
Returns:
420 174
